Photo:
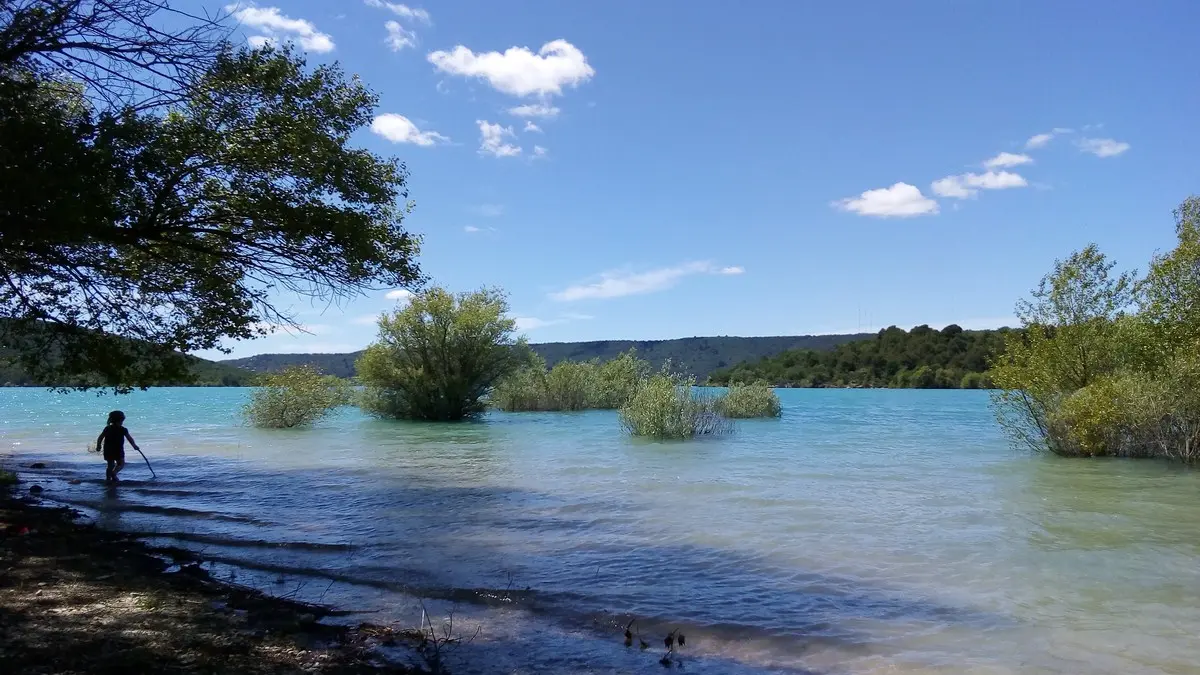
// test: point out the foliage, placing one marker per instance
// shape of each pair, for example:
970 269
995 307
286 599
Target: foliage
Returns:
698 356
668 406
437 358
160 188
1106 363
7 478
295 397
571 385
922 358
744 401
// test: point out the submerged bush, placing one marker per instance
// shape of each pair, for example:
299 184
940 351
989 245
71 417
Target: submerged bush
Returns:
438 357
744 401
571 385
7 478
294 397
668 406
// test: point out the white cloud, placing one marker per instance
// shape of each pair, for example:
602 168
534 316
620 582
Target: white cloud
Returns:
539 151
399 129
400 294
530 126
620 283
491 140
1040 140
1005 159
403 11
518 71
533 323
901 200
535 110
729 271
527 323
399 37
470 228
1102 147
278 27
968 184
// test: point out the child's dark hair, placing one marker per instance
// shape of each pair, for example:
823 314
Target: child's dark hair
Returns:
116 417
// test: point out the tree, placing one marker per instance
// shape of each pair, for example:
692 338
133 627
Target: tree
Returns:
438 357
125 53
1073 330
169 232
294 397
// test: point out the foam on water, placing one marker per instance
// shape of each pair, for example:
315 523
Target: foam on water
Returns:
865 532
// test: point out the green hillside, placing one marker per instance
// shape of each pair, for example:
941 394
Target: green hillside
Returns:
923 358
698 356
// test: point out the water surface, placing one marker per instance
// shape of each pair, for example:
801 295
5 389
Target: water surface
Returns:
864 532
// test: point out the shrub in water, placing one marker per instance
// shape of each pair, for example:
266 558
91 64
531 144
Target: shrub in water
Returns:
668 406
522 391
617 380
438 357
745 401
294 397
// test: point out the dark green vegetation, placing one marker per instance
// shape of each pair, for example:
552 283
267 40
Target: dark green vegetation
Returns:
202 372
922 358
1109 364
296 396
697 356
158 187
437 358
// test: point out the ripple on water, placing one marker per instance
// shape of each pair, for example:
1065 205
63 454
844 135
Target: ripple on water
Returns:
864 532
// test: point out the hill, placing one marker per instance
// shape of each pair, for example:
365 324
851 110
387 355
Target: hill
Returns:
699 356
922 358
207 374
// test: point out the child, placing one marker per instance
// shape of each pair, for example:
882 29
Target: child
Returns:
113 437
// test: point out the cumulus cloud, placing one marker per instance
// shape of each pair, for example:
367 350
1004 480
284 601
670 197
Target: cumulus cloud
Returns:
492 140
1006 159
399 129
729 271
276 27
901 200
535 110
1102 147
539 151
620 283
518 71
969 184
530 126
400 294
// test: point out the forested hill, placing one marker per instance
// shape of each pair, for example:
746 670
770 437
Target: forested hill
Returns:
922 358
699 356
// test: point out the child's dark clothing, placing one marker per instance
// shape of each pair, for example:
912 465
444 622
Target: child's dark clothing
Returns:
114 442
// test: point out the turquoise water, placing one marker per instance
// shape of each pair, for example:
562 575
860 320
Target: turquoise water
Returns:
864 532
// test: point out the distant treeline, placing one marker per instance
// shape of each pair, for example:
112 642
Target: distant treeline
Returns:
696 356
206 373
923 358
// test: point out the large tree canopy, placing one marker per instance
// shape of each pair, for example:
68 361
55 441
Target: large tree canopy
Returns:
128 235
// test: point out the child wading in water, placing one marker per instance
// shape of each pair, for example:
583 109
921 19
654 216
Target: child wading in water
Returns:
113 437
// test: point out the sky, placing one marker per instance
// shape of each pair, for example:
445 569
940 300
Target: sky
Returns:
652 170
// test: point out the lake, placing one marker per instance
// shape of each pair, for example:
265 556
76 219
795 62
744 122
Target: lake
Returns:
867 531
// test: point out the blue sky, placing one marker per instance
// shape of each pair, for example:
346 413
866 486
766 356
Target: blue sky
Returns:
649 170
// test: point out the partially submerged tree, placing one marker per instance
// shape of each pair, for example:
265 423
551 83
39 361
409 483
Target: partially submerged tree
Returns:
130 236
296 396
438 357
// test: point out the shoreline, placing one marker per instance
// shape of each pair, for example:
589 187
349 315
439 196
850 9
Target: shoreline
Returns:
77 598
